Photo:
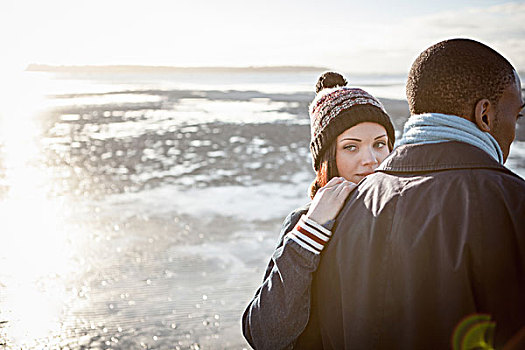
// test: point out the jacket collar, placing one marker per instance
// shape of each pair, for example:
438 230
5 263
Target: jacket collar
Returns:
437 157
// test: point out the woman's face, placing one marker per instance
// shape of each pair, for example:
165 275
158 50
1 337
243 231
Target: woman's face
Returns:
360 149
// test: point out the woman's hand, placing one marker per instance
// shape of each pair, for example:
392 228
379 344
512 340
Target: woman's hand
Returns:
329 200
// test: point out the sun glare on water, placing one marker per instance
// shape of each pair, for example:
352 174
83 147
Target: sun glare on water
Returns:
35 246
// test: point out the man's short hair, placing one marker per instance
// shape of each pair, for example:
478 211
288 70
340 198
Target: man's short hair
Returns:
450 77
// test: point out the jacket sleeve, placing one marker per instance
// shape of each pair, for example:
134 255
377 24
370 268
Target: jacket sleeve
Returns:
280 309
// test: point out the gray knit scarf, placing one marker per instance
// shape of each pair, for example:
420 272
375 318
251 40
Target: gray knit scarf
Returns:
436 127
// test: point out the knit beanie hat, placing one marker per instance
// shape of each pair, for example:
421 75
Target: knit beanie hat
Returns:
337 108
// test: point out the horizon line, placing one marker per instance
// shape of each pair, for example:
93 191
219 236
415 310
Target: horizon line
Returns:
123 68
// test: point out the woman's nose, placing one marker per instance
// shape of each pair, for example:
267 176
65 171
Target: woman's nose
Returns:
369 157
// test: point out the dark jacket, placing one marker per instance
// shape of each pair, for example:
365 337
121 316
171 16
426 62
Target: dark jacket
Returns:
280 309
436 234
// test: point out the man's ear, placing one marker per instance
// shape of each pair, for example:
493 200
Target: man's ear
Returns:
484 115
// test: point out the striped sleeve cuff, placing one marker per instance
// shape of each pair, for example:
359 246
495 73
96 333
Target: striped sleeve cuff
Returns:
310 235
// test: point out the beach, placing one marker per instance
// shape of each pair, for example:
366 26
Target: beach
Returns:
141 210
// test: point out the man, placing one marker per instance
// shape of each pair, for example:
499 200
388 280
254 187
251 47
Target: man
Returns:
437 234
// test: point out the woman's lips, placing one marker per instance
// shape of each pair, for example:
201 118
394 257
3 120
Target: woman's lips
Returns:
365 174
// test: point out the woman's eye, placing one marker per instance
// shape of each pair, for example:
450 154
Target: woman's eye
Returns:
351 147
380 144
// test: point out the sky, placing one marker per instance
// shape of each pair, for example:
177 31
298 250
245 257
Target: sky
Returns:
374 36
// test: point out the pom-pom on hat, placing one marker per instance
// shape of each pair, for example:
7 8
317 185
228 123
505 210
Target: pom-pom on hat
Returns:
337 108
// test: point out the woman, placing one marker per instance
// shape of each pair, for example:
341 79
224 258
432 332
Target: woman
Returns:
350 135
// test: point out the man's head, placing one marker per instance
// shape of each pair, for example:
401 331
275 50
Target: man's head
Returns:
469 79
